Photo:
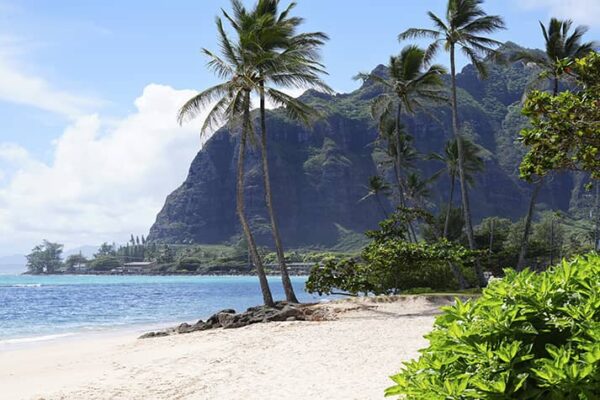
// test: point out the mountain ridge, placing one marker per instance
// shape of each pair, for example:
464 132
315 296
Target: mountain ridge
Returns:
319 175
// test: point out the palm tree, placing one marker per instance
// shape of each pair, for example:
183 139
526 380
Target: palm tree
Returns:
286 59
464 25
411 83
562 48
232 105
473 164
417 189
377 187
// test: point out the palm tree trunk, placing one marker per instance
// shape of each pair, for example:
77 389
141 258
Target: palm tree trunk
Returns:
411 228
397 161
552 241
458 275
492 228
461 171
285 278
384 212
262 277
596 217
527 231
534 195
450 199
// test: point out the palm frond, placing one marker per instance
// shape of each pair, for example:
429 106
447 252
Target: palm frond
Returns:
437 21
197 104
416 33
295 108
484 24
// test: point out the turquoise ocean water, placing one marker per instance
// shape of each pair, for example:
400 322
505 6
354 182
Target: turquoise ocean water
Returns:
35 308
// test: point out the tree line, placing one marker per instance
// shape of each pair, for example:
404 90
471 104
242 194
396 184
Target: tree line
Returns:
47 257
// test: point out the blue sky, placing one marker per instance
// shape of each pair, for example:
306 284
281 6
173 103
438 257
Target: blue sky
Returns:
73 70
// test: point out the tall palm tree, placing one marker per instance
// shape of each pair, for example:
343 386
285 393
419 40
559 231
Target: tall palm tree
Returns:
400 150
376 188
418 189
283 58
473 164
463 28
411 83
232 104
562 48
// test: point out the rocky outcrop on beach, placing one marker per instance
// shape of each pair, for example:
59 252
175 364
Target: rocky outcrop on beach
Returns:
229 319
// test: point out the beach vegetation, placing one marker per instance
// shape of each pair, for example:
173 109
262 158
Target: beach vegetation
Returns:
565 129
529 336
391 263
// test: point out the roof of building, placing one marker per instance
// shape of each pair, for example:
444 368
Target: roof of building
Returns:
139 264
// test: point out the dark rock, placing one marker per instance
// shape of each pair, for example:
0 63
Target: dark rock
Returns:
153 334
215 320
228 319
184 328
201 326
225 318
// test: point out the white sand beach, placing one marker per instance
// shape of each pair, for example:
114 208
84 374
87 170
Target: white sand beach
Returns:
350 357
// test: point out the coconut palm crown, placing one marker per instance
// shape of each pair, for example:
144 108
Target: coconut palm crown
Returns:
562 47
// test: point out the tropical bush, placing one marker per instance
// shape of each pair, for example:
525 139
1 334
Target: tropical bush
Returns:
104 263
565 129
392 264
529 336
189 263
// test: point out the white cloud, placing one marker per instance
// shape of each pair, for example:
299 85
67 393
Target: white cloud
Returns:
20 88
581 11
104 181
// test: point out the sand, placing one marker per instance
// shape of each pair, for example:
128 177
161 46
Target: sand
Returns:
350 357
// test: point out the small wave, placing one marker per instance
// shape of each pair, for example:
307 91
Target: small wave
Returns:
23 285
35 339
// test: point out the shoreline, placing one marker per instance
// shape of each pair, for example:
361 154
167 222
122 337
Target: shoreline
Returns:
16 343
268 273
348 356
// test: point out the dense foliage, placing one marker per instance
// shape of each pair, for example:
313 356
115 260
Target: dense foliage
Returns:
104 263
530 336
391 263
391 266
565 129
45 258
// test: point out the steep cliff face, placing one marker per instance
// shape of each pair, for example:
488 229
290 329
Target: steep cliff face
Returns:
318 178
319 175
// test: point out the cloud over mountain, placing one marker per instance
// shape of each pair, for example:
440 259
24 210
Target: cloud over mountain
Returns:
107 178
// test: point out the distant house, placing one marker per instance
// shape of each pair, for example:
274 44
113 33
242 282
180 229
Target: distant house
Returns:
79 268
138 267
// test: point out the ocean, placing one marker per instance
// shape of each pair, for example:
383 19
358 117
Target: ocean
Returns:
38 308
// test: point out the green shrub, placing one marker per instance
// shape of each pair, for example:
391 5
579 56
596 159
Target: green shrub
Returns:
530 336
189 263
391 266
105 263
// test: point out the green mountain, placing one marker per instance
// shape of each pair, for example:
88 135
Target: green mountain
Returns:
319 175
